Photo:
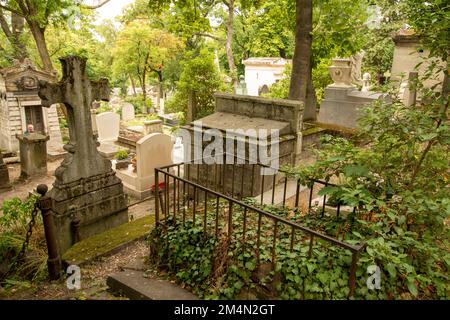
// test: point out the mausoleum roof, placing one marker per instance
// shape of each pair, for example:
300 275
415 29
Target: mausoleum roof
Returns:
274 61
24 76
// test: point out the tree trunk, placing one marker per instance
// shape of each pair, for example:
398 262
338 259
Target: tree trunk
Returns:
144 92
301 87
160 91
190 109
229 42
17 25
14 34
133 85
39 38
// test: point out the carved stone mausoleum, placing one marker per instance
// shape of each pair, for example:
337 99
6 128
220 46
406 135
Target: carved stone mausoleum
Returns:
20 106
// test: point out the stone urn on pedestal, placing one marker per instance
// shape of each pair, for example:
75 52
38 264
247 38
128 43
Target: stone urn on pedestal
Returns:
340 72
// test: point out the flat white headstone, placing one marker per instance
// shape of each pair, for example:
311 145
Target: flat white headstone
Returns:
153 150
108 126
128 112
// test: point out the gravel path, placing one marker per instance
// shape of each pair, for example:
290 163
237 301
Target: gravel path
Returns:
93 279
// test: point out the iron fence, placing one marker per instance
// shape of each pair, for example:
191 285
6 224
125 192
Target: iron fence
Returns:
210 197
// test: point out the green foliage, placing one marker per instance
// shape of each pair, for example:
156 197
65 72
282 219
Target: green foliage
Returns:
265 30
142 51
152 116
186 251
121 155
104 107
398 174
63 123
320 76
430 20
16 213
379 45
13 228
280 89
394 172
139 103
200 77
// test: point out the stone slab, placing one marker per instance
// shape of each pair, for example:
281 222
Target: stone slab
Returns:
108 150
224 121
135 286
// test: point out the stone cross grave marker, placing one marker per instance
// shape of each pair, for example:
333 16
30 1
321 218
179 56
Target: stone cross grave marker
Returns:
77 92
87 197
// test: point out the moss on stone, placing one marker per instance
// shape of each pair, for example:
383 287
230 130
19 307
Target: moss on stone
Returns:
105 242
312 130
337 128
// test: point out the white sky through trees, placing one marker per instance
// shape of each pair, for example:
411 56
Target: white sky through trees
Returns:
112 9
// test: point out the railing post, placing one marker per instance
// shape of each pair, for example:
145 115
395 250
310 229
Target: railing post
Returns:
54 262
352 278
156 197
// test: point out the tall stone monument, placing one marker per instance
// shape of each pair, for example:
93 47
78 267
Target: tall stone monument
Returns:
87 197
341 106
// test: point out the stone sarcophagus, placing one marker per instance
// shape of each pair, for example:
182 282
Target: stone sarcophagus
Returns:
87 197
247 130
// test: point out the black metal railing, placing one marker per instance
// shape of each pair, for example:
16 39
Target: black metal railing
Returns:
194 191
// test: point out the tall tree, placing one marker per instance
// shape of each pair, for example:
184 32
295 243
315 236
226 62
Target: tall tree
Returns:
301 79
141 50
38 14
14 32
229 43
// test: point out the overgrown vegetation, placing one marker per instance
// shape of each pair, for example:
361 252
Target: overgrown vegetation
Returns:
394 172
218 268
14 224
199 79
138 103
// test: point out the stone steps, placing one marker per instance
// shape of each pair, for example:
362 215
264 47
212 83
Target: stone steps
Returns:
133 285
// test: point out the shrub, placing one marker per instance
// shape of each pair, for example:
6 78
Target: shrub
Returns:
14 225
200 77
121 155
104 107
152 116
138 103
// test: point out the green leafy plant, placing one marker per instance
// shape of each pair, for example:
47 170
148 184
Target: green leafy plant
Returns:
121 155
152 116
14 224
138 103
104 107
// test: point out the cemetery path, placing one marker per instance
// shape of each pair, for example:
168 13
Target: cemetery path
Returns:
93 278
21 189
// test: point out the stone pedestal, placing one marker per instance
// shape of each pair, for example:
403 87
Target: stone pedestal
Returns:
341 106
33 154
4 176
152 126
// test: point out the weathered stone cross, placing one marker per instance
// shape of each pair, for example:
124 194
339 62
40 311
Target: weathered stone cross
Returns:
77 93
